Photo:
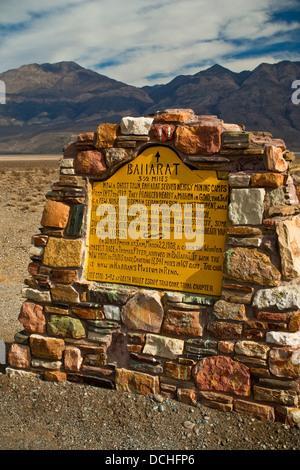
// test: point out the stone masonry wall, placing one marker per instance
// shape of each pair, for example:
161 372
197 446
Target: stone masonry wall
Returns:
239 352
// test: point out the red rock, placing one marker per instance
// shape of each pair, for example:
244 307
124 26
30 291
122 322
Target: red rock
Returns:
19 356
39 240
270 316
72 358
32 318
199 139
268 222
226 347
182 323
162 132
187 395
174 115
33 268
70 150
275 159
221 373
90 162
55 376
86 136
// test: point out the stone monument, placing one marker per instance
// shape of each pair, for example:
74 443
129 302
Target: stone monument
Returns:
168 261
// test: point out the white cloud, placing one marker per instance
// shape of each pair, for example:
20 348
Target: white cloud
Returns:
135 39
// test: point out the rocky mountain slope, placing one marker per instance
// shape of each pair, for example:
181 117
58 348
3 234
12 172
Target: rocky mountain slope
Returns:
46 105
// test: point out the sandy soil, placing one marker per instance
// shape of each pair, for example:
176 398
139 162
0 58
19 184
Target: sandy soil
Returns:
40 415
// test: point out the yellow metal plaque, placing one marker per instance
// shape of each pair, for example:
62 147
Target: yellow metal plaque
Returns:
158 224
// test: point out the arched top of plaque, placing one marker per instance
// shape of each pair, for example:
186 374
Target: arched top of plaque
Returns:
158 224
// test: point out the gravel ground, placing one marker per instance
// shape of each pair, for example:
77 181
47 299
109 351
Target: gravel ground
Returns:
38 415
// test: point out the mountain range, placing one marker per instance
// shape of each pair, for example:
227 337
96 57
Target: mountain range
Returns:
48 105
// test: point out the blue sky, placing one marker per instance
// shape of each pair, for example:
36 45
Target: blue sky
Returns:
143 43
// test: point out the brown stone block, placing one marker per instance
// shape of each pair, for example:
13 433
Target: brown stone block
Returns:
199 139
284 397
252 349
55 214
32 318
69 150
136 338
250 265
270 316
88 313
225 407
106 135
64 293
39 240
225 330
272 180
143 311
243 231
72 358
46 347
135 348
98 371
282 211
254 335
86 136
162 132
63 276
33 268
288 232
19 356
187 396
174 115
62 253
259 371
294 323
178 371
258 411
72 181
55 376
219 397
222 374
56 310
53 232
226 347
136 382
264 325
284 362
274 159
224 310
90 162
237 296
182 323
